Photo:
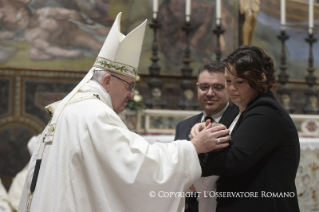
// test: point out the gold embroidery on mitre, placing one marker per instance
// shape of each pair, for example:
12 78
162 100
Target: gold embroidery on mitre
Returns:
115 67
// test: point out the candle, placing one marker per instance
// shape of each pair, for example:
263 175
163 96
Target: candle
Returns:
283 14
155 8
218 12
310 16
188 10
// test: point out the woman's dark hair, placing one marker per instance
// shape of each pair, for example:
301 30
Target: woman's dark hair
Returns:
250 62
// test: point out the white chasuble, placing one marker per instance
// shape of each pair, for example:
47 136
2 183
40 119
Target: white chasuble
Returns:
96 164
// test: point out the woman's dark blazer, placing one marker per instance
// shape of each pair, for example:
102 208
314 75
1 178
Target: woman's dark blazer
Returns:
263 157
183 130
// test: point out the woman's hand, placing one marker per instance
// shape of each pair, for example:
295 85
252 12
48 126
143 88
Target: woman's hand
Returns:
211 138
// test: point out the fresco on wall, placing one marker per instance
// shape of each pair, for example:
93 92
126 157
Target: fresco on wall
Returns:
68 34
51 34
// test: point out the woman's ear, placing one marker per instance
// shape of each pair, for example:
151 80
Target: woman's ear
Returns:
106 82
264 77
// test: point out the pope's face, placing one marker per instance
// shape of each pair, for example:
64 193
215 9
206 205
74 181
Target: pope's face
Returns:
212 100
119 93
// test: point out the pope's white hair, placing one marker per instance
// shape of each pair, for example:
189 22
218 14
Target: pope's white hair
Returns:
99 74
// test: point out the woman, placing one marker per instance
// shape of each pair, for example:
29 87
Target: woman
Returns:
259 167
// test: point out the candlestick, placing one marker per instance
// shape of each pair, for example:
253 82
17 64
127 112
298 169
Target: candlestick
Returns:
283 12
188 10
310 16
155 8
283 90
218 12
155 84
218 31
311 93
188 100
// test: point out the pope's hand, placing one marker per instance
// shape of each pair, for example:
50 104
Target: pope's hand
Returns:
211 138
199 127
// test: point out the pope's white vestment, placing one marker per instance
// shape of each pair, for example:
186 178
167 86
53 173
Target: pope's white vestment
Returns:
96 164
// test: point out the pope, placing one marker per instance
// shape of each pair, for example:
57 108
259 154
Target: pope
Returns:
87 159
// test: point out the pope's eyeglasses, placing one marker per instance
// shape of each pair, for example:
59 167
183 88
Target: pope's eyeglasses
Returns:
205 87
131 85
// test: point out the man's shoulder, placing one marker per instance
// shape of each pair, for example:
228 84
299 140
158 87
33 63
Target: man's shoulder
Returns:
232 107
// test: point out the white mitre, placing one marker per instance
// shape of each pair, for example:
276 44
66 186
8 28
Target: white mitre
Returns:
120 54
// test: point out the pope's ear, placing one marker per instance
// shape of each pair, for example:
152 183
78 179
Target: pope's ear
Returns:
106 81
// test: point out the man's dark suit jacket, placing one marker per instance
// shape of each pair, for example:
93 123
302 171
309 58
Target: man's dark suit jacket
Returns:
183 130
263 157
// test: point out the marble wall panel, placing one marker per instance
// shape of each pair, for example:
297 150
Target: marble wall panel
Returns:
4 96
40 94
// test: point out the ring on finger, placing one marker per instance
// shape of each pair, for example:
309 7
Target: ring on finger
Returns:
218 141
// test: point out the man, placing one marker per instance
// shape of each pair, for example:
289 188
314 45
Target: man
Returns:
214 100
16 187
4 202
88 160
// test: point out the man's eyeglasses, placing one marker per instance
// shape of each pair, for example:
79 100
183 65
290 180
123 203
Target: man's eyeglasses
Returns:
131 85
205 87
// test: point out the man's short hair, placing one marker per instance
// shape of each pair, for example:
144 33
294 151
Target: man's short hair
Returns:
212 67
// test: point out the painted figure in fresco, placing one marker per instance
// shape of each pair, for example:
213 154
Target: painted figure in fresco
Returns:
52 34
52 31
250 9
8 18
9 28
96 10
